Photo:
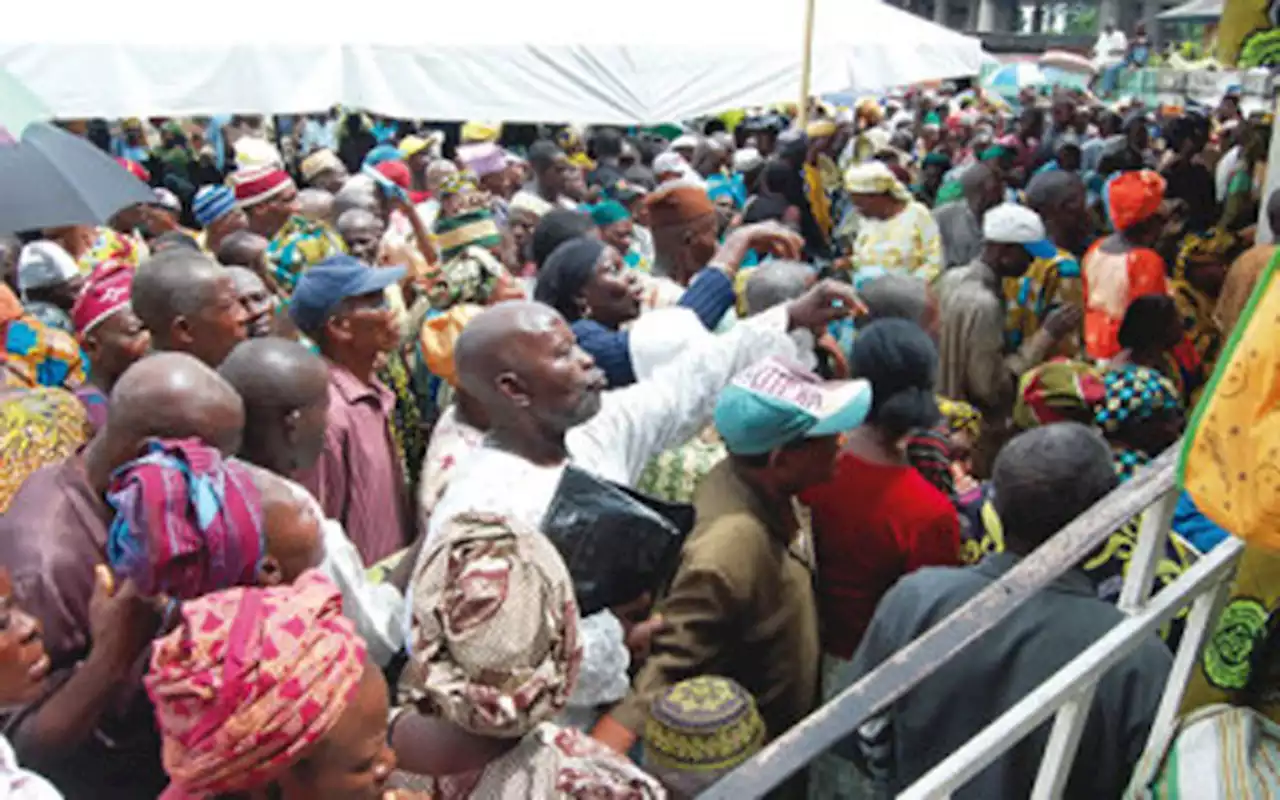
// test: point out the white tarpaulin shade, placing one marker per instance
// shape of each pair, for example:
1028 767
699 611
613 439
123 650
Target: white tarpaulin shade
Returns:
1195 11
518 60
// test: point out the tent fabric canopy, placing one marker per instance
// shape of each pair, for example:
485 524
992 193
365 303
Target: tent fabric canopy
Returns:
1194 10
520 62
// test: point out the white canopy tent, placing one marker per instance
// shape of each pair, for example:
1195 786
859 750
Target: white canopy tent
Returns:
1194 11
571 60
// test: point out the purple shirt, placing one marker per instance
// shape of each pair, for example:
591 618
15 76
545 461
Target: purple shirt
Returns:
358 479
51 537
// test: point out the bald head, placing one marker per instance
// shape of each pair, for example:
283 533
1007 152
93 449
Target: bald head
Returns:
173 284
285 388
242 249
316 205
895 295
290 527
521 363
175 395
486 345
362 231
1046 477
358 192
775 282
1048 190
275 372
355 218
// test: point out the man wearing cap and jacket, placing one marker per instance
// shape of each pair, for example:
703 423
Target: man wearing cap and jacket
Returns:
742 602
340 305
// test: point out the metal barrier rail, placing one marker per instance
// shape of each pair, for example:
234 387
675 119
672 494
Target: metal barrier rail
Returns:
1067 693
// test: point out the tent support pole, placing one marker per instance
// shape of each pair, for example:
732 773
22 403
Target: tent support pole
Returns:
806 64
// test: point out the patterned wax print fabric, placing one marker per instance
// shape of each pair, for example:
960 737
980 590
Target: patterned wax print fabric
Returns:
1111 282
249 681
407 432
1240 661
1231 451
549 762
1058 391
909 242
674 475
493 642
111 245
1219 752
38 427
300 244
1049 283
187 520
37 355
1134 394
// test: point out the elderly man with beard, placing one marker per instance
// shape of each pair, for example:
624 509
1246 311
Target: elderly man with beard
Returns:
547 410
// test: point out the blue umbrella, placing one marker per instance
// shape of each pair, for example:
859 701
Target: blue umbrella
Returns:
53 178
1009 79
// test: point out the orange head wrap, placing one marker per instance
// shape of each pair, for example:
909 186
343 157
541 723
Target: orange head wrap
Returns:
1133 197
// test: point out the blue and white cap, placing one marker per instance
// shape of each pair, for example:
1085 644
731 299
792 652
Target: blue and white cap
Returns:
775 402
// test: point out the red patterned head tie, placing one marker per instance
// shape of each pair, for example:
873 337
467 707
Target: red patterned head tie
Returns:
249 681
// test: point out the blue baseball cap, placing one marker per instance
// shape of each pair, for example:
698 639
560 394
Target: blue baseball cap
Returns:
322 287
773 403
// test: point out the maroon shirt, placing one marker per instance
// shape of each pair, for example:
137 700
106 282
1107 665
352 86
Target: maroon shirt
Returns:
51 537
358 479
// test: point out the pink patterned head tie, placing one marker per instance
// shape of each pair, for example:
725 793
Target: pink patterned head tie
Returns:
249 681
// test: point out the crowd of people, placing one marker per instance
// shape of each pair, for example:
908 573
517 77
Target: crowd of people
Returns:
373 459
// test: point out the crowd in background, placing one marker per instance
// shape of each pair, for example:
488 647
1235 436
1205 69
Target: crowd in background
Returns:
376 456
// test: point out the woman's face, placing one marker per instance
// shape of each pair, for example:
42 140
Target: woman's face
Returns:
23 660
612 295
352 761
618 235
874 206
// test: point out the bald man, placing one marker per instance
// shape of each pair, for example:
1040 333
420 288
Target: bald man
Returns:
545 400
960 222
189 303
53 534
285 391
362 232
316 205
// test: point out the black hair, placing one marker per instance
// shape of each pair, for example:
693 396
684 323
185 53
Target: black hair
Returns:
543 155
1148 322
900 361
555 228
605 143
564 274
1046 477
1184 128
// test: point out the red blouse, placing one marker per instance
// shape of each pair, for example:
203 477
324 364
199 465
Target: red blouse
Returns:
873 523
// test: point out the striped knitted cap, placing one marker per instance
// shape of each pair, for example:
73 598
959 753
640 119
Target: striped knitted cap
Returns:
454 234
255 185
703 724
212 203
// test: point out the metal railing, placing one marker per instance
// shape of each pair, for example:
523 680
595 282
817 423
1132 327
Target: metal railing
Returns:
1066 694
